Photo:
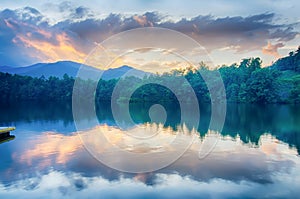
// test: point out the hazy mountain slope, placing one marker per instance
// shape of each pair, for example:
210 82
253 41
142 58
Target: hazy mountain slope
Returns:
58 69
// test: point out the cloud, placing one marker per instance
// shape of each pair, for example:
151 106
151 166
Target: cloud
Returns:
56 149
49 144
75 185
272 49
27 37
239 33
233 169
81 12
29 34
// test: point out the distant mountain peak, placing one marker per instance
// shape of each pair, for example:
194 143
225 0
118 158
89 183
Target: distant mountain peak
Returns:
126 67
59 68
123 68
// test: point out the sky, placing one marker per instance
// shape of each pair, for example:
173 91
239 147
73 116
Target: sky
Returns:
229 30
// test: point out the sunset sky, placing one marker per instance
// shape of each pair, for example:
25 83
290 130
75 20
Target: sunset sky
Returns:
229 30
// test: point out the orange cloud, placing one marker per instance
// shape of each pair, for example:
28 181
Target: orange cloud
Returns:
50 52
142 20
50 144
58 149
9 24
51 148
272 49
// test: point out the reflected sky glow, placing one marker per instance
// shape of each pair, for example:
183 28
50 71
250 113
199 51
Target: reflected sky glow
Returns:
232 168
41 162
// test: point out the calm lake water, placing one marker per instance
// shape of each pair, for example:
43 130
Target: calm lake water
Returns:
255 156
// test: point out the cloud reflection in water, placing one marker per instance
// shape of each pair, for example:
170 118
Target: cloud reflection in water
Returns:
65 169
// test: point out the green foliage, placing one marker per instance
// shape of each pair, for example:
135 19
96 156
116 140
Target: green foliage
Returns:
262 86
16 87
291 62
295 92
244 83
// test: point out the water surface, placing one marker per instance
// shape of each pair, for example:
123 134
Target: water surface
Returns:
256 155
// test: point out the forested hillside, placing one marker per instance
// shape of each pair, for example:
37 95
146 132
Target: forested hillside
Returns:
246 82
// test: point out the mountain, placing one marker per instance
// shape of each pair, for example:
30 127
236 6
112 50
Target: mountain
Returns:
58 69
123 71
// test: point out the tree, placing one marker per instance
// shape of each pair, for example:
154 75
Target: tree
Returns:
261 86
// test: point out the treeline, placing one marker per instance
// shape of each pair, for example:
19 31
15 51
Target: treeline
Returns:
17 87
246 82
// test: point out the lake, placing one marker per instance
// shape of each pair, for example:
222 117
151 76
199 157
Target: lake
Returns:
256 155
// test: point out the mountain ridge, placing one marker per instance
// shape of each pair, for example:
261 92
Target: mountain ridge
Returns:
60 68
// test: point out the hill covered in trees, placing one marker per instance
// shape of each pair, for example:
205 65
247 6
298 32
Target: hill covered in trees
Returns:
246 82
